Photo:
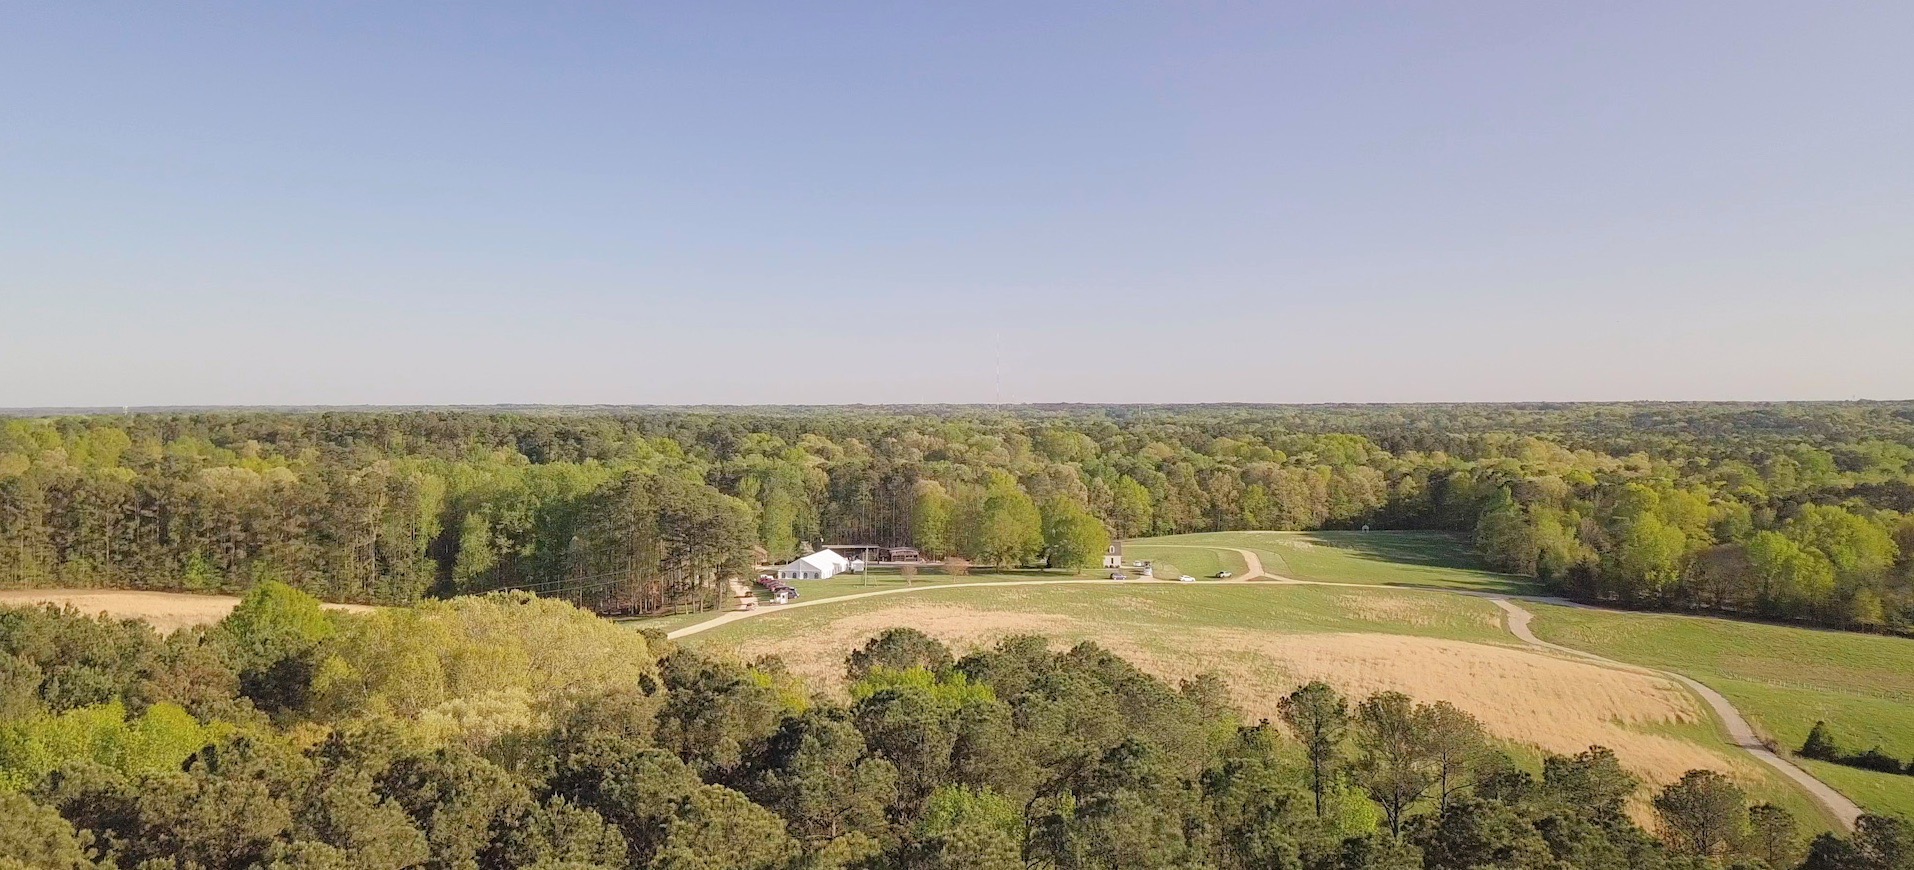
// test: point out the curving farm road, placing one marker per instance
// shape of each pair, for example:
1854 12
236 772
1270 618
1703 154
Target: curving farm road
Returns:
1741 734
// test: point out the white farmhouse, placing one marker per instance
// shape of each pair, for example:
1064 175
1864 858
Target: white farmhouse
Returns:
817 566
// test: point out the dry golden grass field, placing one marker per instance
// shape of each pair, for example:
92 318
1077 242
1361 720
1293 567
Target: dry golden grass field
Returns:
165 611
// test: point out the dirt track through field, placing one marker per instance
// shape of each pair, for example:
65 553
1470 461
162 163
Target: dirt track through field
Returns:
1741 734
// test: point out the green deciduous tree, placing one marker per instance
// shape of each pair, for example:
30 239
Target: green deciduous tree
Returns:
1072 537
1647 558
934 519
1790 580
1003 527
964 828
1131 508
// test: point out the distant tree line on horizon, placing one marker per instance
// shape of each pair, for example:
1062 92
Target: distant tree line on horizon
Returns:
1792 511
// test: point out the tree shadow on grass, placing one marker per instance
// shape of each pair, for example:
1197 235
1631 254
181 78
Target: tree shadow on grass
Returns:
1428 549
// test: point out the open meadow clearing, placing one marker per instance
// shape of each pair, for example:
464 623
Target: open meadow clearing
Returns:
1196 560
1264 640
1431 559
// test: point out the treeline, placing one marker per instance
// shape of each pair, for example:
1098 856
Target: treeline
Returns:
1786 511
509 731
1821 746
1713 541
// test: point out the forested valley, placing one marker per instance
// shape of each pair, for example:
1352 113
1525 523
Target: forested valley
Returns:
1796 512
511 731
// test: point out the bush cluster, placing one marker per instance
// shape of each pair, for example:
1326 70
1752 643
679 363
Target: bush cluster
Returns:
1821 746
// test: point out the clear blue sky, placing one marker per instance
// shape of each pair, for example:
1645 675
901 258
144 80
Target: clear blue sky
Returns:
731 203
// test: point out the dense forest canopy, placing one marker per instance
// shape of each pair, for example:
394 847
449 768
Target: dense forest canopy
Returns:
1794 511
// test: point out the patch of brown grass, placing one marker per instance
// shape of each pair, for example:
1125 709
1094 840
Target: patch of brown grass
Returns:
1418 610
1554 704
165 611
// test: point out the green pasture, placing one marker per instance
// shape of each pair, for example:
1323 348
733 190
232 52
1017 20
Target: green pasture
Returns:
1165 608
1174 560
878 579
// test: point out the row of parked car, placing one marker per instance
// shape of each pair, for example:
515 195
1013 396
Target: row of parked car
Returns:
781 591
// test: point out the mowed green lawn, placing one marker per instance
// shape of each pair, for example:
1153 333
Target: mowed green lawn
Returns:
1171 561
851 584
1783 679
891 578
1431 559
1173 607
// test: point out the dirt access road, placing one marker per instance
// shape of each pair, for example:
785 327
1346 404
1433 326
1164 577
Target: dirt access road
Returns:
1741 734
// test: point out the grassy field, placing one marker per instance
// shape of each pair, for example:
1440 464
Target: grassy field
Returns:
1430 559
890 578
1783 679
1174 560
1174 608
1265 639
852 584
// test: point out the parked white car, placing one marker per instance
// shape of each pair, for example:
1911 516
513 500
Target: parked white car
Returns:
1186 579
1224 575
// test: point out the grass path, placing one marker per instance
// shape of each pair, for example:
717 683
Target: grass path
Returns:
1740 733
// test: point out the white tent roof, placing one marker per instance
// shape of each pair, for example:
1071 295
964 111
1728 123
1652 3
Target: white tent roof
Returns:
822 559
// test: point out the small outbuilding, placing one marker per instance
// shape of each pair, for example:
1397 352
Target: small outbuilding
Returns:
817 566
